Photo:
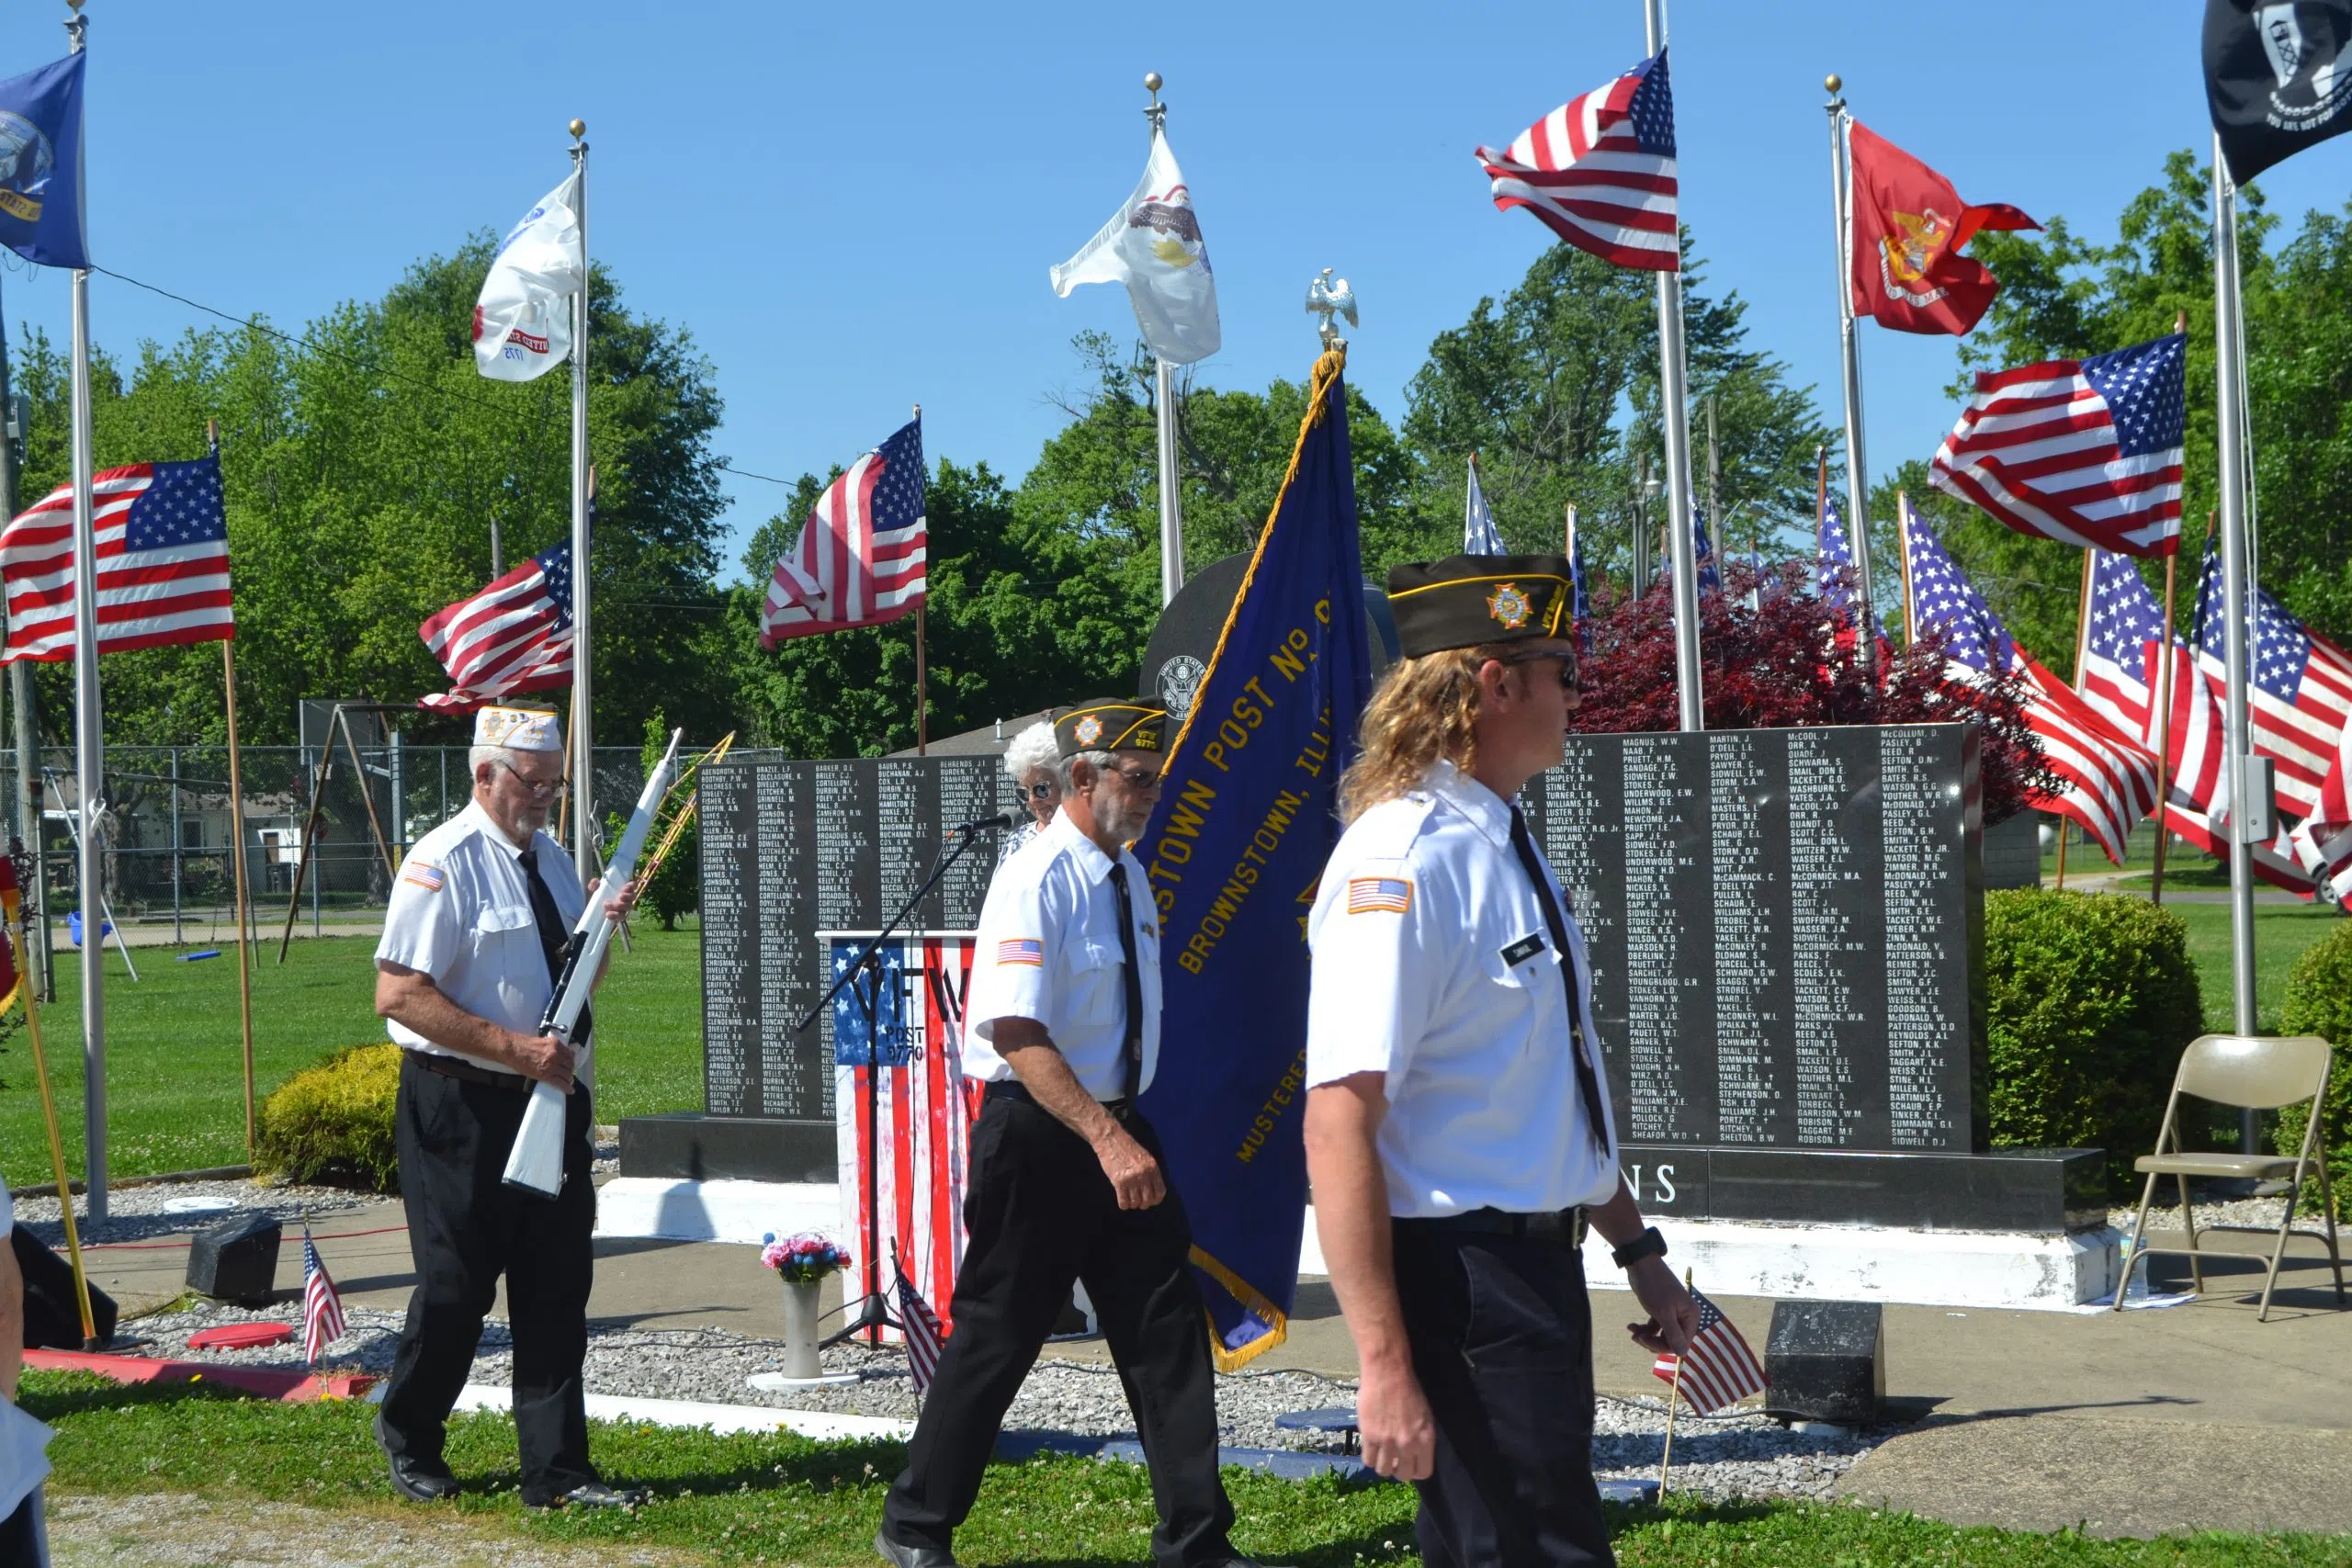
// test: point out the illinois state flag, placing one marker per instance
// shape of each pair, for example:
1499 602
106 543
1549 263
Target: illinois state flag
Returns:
1233 856
1907 226
1153 245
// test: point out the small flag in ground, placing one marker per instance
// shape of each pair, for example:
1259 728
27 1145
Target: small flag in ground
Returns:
162 534
1719 1370
514 635
921 1325
1600 171
321 1307
860 556
2085 452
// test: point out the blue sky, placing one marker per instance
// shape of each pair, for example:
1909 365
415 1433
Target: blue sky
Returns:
852 209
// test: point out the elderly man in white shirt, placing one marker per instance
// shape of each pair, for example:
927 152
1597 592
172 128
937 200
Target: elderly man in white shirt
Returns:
473 940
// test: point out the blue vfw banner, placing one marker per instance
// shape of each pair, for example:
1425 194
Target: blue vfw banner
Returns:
1233 853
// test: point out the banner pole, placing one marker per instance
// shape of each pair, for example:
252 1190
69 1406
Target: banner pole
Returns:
1857 517
2238 746
1674 413
1673 1407
1171 479
56 1148
2164 735
583 793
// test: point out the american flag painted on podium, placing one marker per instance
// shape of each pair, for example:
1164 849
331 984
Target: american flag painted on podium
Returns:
861 558
923 1113
514 635
162 534
2085 452
1600 171
322 1322
2110 780
1719 1370
2298 688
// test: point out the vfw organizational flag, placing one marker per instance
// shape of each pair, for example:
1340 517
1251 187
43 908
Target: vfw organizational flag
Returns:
1233 854
523 320
1153 245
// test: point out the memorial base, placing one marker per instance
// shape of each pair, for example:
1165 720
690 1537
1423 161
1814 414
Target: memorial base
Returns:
742 1211
1864 1263
687 1146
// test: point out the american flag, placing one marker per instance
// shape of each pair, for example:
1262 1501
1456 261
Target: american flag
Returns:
1833 562
860 560
2110 780
921 1326
514 635
1479 534
1580 606
1719 1370
1599 171
1702 552
2085 452
2298 688
162 533
321 1307
2323 841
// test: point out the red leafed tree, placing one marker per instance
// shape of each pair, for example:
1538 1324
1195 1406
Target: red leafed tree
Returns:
1793 660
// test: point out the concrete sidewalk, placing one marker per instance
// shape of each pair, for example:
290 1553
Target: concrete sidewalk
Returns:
2194 1417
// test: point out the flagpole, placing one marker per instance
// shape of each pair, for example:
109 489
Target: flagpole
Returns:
1171 490
88 745
237 841
923 690
1675 414
2244 811
2164 736
1469 489
1715 489
1856 470
583 793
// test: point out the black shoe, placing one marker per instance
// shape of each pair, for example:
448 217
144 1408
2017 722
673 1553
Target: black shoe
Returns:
912 1556
597 1494
418 1479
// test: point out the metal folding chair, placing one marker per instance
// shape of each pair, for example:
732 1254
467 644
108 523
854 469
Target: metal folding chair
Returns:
2250 1072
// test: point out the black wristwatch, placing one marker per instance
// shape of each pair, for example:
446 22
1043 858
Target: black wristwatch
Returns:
1649 1243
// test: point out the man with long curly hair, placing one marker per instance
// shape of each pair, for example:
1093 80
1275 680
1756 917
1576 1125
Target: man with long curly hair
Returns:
1458 1130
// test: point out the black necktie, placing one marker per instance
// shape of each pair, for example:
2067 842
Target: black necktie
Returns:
1588 1081
554 935
1130 981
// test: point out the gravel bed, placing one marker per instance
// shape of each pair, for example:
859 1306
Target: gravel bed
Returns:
2164 1214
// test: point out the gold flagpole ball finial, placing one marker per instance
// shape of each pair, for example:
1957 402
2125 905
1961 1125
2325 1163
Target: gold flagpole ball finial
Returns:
579 128
74 6
1835 83
1150 79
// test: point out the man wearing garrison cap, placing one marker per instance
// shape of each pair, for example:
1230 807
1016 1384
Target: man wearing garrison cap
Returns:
473 941
1458 1130
1063 1026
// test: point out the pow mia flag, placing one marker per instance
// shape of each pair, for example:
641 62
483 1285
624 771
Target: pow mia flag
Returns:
2277 78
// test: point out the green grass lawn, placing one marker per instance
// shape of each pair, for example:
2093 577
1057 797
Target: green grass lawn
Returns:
2281 933
174 1073
784 1499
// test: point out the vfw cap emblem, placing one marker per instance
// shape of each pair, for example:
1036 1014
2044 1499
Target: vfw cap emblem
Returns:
1508 606
1087 730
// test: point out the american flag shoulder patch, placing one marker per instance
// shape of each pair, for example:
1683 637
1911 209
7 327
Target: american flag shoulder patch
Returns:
424 875
1379 895
1026 950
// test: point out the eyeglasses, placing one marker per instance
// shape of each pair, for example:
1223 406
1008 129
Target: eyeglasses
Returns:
541 789
1140 779
1565 660
1045 789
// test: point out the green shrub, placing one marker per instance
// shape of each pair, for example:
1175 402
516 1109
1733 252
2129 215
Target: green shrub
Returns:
2090 1001
333 1124
2319 1001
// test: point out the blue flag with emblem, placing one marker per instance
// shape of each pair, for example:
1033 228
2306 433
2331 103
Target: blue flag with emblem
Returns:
1233 853
41 165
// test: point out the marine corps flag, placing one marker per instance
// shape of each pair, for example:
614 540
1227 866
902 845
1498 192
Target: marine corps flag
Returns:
1909 226
1233 854
2276 78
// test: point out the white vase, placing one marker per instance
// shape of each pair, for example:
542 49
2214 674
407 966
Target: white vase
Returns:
800 1329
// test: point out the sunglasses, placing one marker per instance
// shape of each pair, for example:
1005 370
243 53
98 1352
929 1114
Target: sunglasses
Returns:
1567 661
1142 779
1045 789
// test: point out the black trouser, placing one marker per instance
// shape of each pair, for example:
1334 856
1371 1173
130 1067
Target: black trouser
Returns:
23 1543
465 1228
1040 1213
1501 1332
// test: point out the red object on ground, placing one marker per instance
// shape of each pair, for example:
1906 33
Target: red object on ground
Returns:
241 1336
269 1382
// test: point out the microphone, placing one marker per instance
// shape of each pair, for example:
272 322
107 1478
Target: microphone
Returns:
1001 820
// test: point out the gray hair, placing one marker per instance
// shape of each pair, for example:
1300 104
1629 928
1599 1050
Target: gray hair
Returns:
477 755
1104 761
1032 749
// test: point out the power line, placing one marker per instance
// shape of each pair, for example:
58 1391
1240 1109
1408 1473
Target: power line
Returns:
254 323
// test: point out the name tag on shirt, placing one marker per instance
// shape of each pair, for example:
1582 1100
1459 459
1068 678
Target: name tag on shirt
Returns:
1522 950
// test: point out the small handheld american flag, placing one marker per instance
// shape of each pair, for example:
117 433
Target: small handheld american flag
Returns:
1719 1370
322 1322
921 1325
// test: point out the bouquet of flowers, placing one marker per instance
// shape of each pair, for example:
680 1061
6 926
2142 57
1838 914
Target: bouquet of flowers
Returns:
803 1260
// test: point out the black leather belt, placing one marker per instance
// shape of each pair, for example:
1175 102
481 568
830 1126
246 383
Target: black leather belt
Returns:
1563 1226
1014 1089
465 1072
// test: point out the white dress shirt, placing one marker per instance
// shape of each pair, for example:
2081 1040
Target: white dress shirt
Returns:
1433 966
1048 950
461 912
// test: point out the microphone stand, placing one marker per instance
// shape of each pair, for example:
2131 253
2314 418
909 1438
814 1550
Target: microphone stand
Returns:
873 1308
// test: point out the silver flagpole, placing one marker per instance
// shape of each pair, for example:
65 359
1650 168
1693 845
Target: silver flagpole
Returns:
89 744
2231 400
1841 221
1171 486
1676 416
583 752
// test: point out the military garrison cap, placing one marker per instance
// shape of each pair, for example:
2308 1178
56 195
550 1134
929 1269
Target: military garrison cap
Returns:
1470 601
1112 724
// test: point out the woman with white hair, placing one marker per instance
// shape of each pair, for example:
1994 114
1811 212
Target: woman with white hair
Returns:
1030 760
